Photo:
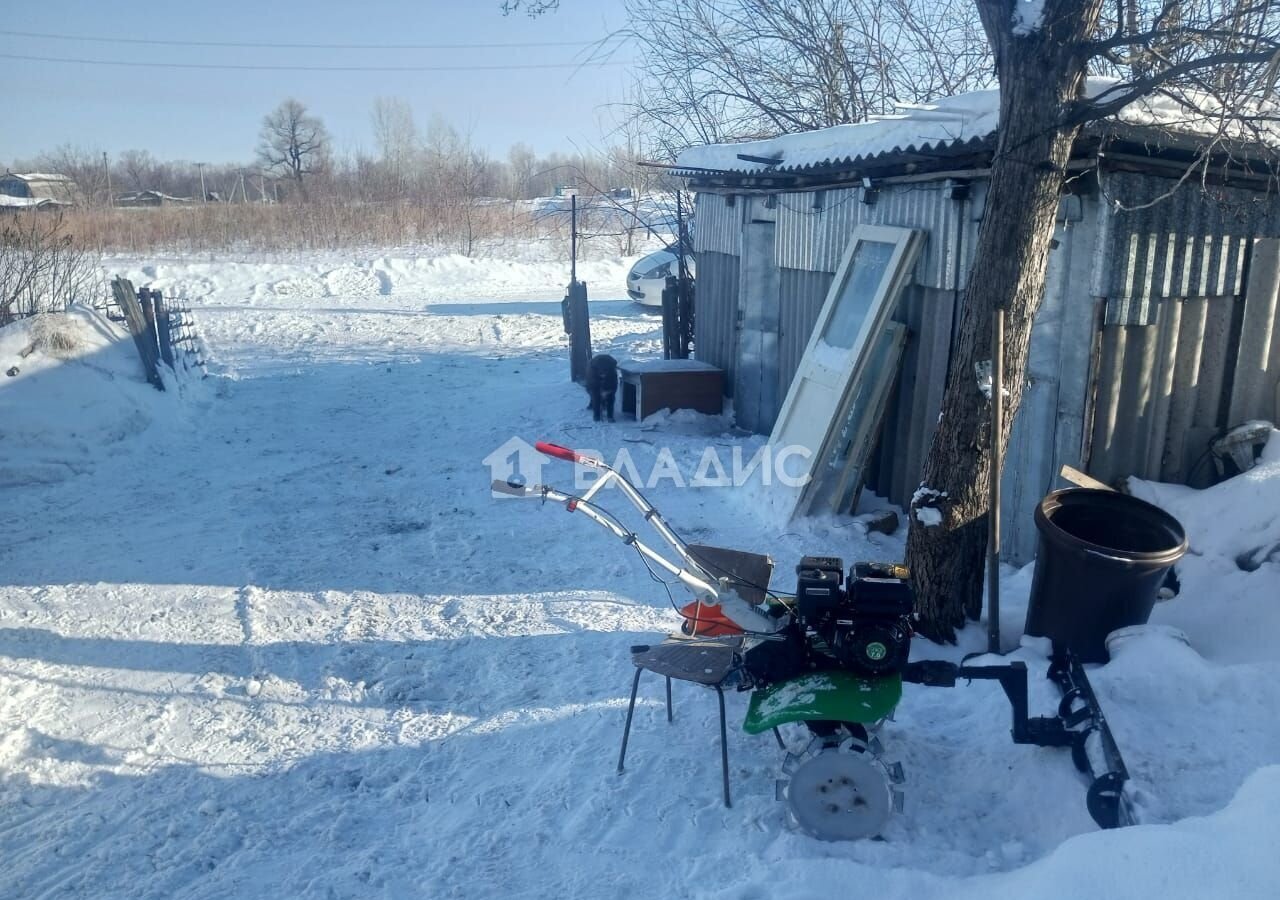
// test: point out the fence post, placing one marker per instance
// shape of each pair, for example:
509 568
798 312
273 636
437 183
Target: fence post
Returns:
163 328
670 318
577 322
143 338
149 313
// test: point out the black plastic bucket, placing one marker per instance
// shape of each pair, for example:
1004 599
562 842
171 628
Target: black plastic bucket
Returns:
1101 561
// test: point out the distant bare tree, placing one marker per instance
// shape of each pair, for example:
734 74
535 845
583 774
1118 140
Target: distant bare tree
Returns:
293 142
82 165
138 168
396 135
715 70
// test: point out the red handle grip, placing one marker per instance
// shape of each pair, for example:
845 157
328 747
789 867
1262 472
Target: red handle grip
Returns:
557 451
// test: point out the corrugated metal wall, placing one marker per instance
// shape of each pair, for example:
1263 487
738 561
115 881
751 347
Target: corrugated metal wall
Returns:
1160 391
814 228
802 296
717 241
1255 389
1192 243
1049 428
1166 389
718 224
1176 323
912 415
715 324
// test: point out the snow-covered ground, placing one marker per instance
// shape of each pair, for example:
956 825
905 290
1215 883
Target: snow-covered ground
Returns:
269 635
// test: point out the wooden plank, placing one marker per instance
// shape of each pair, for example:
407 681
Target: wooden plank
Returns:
1080 479
127 299
163 328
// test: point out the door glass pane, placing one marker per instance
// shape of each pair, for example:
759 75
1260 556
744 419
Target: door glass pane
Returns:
866 271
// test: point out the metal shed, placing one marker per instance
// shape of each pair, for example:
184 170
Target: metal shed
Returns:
1157 331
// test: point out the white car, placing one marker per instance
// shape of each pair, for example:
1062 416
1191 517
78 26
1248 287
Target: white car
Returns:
648 276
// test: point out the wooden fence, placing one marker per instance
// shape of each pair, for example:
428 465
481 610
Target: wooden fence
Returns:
163 332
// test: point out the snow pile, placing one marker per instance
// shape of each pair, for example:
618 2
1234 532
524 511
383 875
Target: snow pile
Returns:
76 390
1233 529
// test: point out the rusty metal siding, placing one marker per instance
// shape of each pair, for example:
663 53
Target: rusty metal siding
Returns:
814 228
715 338
718 227
1190 244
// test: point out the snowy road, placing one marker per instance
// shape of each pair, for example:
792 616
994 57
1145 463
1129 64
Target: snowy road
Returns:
284 643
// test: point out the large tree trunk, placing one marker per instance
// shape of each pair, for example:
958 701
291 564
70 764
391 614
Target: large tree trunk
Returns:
1040 75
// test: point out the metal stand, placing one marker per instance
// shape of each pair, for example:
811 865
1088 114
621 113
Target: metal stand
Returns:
724 731
997 468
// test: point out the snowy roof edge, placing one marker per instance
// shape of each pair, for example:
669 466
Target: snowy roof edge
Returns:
965 121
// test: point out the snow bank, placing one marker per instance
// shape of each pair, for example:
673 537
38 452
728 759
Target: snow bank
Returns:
385 281
1231 574
1235 522
78 391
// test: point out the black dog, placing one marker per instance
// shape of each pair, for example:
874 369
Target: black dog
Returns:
602 385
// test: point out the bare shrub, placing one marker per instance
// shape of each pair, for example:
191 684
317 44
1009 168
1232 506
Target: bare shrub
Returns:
43 267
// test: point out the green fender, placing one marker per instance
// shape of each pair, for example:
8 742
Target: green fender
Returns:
834 696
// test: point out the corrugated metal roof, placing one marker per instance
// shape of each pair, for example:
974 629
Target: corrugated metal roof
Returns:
36 176
947 125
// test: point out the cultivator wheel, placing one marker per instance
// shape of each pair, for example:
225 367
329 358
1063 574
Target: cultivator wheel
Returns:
840 791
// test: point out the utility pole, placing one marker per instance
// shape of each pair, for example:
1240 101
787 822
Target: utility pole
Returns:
204 195
106 167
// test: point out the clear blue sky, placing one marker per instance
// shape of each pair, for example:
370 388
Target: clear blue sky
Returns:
214 115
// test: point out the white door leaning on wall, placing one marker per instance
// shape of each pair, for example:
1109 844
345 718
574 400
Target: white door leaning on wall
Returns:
875 267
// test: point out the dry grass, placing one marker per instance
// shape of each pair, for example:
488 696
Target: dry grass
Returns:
314 226
55 334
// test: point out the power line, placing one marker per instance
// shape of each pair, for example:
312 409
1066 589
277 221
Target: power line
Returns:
291 46
272 68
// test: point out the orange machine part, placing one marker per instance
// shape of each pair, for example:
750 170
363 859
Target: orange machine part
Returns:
707 621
